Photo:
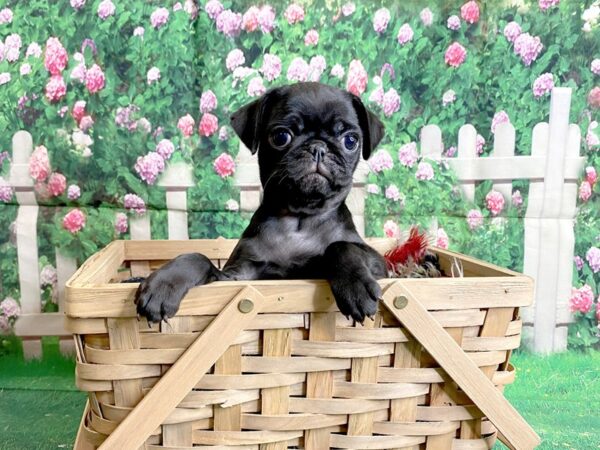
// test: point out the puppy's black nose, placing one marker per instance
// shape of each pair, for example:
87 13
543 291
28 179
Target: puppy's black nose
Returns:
318 150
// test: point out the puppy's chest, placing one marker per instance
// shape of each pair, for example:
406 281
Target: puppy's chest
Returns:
289 243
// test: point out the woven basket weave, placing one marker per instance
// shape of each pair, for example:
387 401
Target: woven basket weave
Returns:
292 372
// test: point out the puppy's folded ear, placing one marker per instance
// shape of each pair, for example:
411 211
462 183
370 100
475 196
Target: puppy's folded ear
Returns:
371 126
246 121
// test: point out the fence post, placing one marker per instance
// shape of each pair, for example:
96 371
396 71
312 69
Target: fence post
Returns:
356 199
66 266
247 178
139 230
26 230
504 145
176 179
467 150
553 235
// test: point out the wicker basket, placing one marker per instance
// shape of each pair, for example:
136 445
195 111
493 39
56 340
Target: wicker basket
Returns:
274 365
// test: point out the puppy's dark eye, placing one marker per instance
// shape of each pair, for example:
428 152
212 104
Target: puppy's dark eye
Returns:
281 138
351 142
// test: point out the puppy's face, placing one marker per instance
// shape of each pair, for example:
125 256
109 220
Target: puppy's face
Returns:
310 138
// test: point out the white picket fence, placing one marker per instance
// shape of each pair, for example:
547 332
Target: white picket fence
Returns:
552 168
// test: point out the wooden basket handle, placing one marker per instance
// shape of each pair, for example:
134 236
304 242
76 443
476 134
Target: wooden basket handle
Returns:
429 333
179 380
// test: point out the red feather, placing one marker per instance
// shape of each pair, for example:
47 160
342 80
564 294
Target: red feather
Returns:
413 249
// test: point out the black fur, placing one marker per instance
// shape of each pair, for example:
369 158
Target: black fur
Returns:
302 228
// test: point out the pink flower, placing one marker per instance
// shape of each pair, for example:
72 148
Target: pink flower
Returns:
235 58
73 192
317 66
78 73
6 191
57 183
106 9
13 41
208 125
78 110
381 19
294 14
149 167
55 56
380 161
62 112
223 133
372 188
312 37
139 31
338 71
474 219
229 23
39 164
470 12
441 240
377 96
455 55
153 75
5 325
34 50
266 19
585 191
232 205
357 78
208 101
86 123
494 202
348 9
499 118
391 229
408 154
595 66
10 307
144 125
271 67
298 70
527 47
581 299
453 23
479 143
512 31
591 138
450 151
94 79
121 224
165 149
594 97
4 78
543 84
134 203
545 4
48 276
405 34
590 175
426 17
6 16
213 8
56 88
424 171
256 87
448 97
578 260
177 7
74 221
392 192
224 165
186 125
593 258
250 19
517 198
159 17
25 69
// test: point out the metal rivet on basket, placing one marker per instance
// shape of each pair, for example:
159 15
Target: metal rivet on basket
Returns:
245 305
400 302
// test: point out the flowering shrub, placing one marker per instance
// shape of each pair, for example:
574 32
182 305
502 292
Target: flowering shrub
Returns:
113 92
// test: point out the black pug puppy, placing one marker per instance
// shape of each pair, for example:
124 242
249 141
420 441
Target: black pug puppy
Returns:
309 139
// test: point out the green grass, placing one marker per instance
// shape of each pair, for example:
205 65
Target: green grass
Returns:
559 396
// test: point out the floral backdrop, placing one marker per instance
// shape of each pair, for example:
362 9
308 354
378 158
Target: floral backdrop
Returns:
112 91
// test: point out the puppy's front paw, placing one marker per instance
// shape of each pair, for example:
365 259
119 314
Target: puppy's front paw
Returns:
158 296
356 295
